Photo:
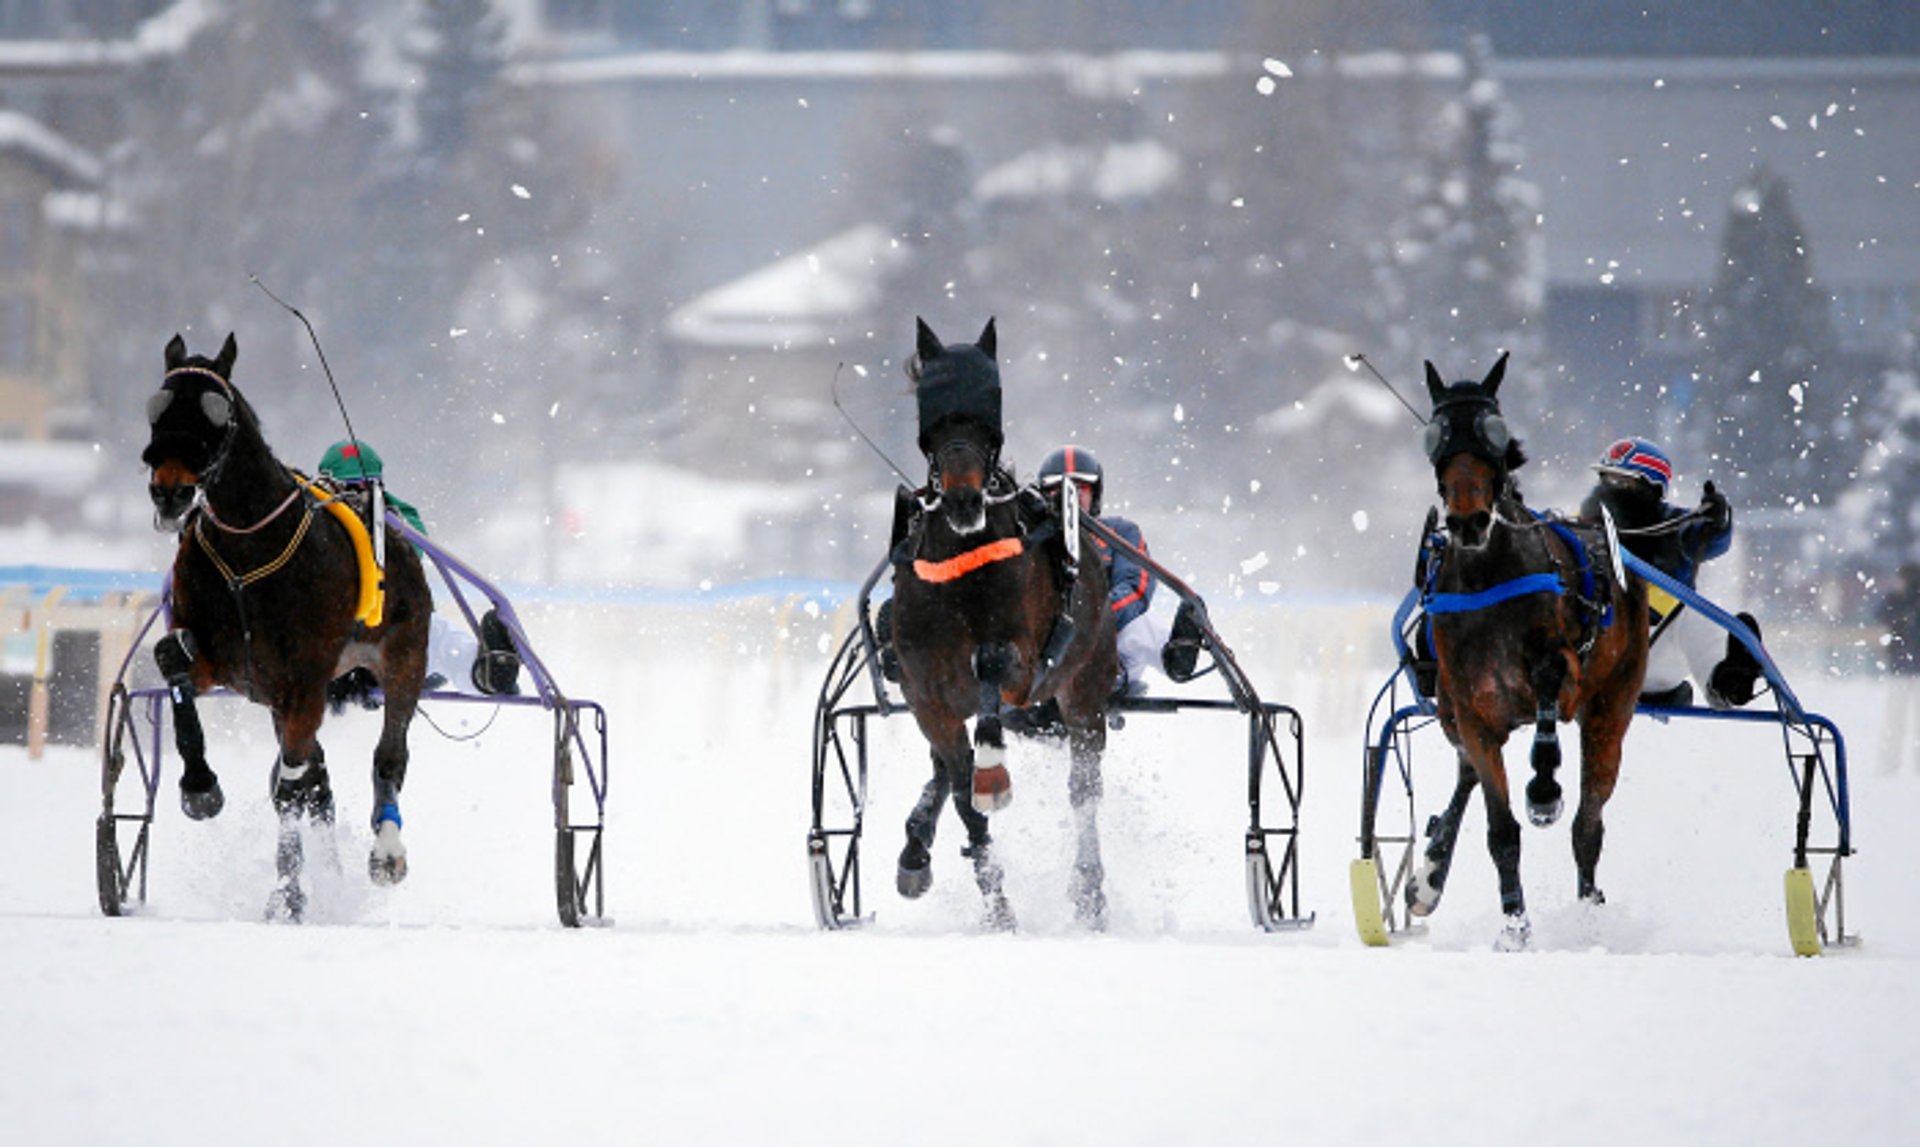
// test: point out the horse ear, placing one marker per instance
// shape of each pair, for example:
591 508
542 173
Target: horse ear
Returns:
176 352
1492 382
929 343
1436 386
989 341
228 352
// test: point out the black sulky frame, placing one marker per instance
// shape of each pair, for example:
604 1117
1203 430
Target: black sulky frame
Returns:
841 763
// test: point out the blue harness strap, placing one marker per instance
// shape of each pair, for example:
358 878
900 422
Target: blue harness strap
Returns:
1579 549
1440 603
1437 603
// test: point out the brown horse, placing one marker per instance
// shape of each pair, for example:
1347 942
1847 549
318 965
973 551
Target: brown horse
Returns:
1529 624
267 600
992 608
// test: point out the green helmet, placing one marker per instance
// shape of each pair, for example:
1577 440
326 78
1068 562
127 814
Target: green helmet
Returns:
350 460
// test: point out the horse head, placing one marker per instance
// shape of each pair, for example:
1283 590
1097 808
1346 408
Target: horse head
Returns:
1473 452
195 417
957 391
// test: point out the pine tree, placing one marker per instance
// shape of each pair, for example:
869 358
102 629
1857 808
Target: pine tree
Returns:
1470 247
1880 510
1770 377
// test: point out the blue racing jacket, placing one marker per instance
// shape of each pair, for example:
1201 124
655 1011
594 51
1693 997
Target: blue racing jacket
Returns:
1131 589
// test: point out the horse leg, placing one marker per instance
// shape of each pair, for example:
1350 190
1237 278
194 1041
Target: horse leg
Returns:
1443 832
1600 738
992 785
915 874
1503 842
1084 789
387 863
1544 800
301 791
200 795
987 873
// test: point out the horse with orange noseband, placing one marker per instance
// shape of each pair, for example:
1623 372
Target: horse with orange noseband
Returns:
992 608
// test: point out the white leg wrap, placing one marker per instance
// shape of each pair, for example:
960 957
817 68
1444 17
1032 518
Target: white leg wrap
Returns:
387 843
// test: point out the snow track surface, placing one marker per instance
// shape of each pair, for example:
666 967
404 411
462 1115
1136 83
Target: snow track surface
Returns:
455 1009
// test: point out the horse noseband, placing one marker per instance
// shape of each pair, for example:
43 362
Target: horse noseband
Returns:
989 460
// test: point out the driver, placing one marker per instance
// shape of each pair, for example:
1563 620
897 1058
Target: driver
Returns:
1634 476
492 664
1139 634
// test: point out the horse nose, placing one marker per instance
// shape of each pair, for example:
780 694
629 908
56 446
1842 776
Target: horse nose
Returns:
966 508
170 501
1470 529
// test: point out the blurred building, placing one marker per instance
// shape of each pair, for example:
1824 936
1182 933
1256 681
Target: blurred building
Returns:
1640 122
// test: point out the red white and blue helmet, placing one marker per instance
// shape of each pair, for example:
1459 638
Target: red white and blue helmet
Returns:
1638 458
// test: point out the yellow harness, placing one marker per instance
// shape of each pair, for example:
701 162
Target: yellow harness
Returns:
1660 603
372 606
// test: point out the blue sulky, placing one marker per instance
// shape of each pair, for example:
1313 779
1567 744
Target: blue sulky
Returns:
1814 750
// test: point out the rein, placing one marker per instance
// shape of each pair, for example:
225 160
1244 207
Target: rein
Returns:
237 582
207 509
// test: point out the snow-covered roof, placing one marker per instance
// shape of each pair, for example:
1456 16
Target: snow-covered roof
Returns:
165 33
1339 395
1111 173
28 136
801 300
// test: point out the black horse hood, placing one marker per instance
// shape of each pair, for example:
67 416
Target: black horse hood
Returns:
956 382
1467 420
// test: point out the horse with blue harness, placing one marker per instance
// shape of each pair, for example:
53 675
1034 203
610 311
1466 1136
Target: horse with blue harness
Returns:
1529 619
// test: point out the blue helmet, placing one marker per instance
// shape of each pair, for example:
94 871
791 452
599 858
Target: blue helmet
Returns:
1638 458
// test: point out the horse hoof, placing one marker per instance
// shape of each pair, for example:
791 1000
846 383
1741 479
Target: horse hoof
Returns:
1090 910
202 805
999 915
915 874
1423 896
287 904
913 882
386 869
992 788
387 863
1515 936
1543 800
1593 896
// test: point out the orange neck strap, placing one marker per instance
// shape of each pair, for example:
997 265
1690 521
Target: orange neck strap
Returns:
962 565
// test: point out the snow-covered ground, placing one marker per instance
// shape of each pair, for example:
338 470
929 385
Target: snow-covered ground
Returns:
455 1009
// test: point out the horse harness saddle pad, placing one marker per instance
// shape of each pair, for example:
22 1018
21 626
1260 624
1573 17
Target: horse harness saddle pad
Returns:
370 609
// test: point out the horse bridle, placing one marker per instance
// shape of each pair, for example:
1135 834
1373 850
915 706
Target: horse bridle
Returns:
989 460
217 406
1487 433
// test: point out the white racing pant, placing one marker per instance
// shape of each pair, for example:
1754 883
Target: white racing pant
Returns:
1690 646
1141 641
